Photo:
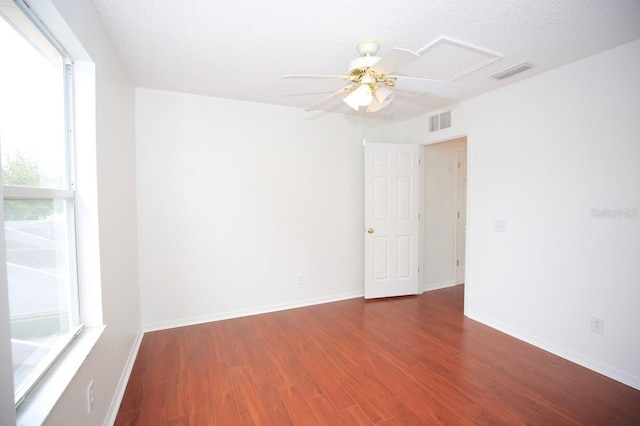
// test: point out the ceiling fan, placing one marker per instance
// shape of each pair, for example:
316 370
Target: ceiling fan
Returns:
371 85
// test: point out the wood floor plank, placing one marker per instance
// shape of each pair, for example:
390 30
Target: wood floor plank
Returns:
355 416
397 361
231 347
390 422
163 362
299 409
133 394
223 397
325 411
398 379
279 370
368 401
305 381
428 412
154 404
274 407
129 418
199 401
332 386
248 400
401 413
179 421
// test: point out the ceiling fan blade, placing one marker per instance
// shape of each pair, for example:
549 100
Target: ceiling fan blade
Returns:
417 86
327 99
394 60
317 76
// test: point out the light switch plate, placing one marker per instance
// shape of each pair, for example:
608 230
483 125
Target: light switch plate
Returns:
500 225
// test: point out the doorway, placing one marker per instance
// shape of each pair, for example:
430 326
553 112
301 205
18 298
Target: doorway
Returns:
444 226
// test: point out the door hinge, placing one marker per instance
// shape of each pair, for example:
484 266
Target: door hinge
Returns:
457 262
458 215
419 162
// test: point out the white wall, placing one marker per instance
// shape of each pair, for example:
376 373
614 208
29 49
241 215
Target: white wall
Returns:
440 206
235 199
116 194
542 153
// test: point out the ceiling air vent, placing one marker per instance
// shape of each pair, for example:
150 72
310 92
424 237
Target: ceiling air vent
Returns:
440 121
512 71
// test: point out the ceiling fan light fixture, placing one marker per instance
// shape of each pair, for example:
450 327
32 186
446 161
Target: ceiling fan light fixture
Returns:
383 94
361 96
376 106
382 98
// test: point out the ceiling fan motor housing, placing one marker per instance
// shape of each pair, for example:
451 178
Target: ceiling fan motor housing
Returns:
367 49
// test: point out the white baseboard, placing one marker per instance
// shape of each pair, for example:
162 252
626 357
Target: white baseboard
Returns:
163 325
438 286
614 373
124 380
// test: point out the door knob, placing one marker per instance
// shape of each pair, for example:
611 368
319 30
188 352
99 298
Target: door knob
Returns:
370 230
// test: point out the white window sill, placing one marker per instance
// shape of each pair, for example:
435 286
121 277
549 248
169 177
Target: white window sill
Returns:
44 396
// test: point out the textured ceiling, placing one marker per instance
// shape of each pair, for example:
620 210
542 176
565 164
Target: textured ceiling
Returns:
239 49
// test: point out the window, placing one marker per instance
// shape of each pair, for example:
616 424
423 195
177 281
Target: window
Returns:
39 196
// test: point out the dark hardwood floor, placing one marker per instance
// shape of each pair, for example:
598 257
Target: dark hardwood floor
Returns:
401 361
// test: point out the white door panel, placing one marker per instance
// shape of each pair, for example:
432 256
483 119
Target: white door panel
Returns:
391 218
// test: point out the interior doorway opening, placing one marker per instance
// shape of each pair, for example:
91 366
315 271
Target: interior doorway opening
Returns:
445 214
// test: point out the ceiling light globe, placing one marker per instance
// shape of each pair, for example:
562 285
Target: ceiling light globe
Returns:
360 97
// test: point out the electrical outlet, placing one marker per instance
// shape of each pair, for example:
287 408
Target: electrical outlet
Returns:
597 325
298 278
90 396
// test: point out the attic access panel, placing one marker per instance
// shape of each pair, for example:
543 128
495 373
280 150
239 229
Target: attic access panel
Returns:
448 59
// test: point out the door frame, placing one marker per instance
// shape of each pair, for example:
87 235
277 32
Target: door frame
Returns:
468 285
457 228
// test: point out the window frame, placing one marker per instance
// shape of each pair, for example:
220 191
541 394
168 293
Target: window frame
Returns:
67 194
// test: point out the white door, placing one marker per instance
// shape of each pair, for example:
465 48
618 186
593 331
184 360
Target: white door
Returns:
461 219
391 197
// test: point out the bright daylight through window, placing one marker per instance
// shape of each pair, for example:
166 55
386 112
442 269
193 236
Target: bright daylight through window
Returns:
37 178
